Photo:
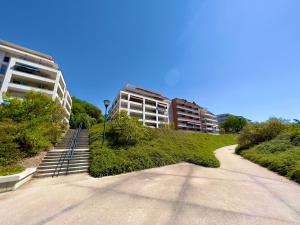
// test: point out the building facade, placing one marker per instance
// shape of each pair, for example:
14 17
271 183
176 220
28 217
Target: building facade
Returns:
23 70
189 116
151 108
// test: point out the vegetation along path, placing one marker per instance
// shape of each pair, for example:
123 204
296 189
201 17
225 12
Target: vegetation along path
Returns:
239 192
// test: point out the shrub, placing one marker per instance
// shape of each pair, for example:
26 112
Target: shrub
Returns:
9 149
254 134
85 112
28 126
296 140
126 131
295 173
278 155
158 147
105 162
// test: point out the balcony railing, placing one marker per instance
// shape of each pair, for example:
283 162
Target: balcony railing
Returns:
28 88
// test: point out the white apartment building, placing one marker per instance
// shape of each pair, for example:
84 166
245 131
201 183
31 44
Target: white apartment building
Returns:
210 122
151 108
23 70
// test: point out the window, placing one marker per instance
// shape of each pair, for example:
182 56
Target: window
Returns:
3 69
6 59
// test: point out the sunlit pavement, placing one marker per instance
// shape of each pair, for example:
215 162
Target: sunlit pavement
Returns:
239 192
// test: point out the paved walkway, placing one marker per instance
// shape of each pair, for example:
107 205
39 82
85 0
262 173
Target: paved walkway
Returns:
239 192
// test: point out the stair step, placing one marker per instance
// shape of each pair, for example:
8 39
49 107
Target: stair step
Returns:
73 159
62 169
76 157
60 173
55 163
57 160
71 165
68 146
63 152
59 156
80 160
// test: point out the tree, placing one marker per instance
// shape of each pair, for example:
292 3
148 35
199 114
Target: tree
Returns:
32 124
234 124
125 131
85 112
297 121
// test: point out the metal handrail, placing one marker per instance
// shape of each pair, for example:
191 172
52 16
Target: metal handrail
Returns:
68 154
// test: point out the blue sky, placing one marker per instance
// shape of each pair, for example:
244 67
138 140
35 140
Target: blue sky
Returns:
236 56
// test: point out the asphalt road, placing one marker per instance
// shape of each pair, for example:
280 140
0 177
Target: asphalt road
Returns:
239 192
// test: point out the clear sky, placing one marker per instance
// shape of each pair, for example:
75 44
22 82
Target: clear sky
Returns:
236 56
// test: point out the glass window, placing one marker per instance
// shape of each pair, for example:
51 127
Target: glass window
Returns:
6 59
3 69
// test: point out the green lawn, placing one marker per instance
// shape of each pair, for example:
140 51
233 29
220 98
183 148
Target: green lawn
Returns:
9 170
280 155
166 147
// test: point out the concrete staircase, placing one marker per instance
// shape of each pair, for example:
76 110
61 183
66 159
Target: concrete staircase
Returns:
53 163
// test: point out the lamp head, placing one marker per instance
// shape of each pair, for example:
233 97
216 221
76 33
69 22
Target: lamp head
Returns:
106 103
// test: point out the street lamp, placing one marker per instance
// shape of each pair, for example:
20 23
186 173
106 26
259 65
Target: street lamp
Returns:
106 104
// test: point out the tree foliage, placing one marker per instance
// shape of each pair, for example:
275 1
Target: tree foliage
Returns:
297 121
28 126
85 112
234 124
280 154
254 134
125 131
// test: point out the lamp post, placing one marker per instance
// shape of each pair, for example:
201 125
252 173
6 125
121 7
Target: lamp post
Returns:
106 104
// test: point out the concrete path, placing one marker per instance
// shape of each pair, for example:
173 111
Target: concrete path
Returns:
239 192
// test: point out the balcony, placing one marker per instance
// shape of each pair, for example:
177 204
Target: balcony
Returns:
31 77
134 106
50 65
137 115
150 124
25 88
28 69
188 114
131 102
187 109
150 103
212 120
189 120
134 111
136 99
210 123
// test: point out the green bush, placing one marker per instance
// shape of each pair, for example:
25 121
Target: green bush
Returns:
9 148
126 131
105 162
85 112
158 148
279 155
254 134
28 126
295 173
296 140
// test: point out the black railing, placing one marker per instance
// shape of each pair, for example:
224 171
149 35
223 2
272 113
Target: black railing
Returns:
68 155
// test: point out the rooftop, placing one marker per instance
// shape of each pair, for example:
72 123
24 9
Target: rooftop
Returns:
18 47
144 92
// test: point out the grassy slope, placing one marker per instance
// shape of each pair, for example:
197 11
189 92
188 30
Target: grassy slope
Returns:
278 155
167 147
